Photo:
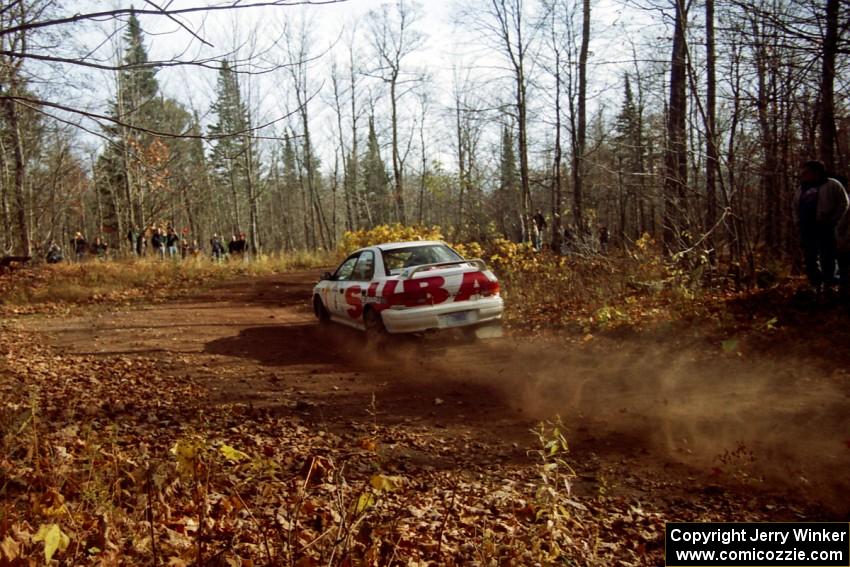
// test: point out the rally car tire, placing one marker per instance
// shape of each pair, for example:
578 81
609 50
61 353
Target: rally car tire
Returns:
376 333
321 312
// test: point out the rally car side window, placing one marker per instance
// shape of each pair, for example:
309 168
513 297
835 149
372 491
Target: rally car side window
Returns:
343 273
365 268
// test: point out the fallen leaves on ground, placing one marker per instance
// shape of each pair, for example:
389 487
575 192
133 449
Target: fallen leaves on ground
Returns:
114 460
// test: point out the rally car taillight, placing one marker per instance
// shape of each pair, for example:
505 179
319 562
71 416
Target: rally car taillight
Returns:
489 289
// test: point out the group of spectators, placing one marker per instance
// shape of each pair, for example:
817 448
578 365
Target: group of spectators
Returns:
80 247
168 243
161 243
155 241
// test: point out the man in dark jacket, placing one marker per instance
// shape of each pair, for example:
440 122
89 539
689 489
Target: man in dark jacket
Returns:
232 246
158 242
819 206
216 247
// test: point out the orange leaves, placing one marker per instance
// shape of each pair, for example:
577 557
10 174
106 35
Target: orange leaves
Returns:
150 166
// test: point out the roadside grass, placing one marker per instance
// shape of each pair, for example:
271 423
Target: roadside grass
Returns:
124 280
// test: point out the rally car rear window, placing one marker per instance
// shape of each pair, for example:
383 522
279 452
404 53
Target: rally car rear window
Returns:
397 259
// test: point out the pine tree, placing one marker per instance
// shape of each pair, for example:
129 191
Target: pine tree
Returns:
138 84
628 129
375 178
232 156
508 191
630 154
120 168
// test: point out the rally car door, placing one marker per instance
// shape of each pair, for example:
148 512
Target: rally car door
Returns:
341 279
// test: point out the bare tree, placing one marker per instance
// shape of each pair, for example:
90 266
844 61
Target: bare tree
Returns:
298 44
15 22
394 38
504 24
581 135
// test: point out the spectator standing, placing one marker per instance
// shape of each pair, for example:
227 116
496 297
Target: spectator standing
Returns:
241 244
819 205
141 243
184 249
171 240
158 242
79 245
99 248
54 254
538 228
232 246
604 238
216 248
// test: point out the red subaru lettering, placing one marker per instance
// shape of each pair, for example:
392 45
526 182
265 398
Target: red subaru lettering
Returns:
424 290
385 301
373 289
352 298
473 283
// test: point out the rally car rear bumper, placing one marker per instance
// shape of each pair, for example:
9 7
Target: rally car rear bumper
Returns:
470 313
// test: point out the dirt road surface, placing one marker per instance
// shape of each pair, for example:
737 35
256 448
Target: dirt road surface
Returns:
656 418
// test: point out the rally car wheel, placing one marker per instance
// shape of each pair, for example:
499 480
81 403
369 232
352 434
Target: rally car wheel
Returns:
376 333
319 309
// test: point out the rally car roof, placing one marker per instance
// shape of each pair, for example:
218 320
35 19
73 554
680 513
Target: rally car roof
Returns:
408 244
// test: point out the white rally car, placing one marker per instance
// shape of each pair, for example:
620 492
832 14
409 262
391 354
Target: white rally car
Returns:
410 287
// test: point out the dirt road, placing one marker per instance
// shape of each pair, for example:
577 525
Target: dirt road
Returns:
662 420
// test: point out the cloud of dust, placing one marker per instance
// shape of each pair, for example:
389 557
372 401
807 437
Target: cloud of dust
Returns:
782 421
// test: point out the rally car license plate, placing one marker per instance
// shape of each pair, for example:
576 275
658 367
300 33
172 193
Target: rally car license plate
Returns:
456 319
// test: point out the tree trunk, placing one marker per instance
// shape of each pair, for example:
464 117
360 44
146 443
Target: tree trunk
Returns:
5 212
710 129
827 87
424 162
461 168
361 205
125 158
557 196
675 154
525 183
235 195
766 115
11 110
253 213
581 134
398 183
